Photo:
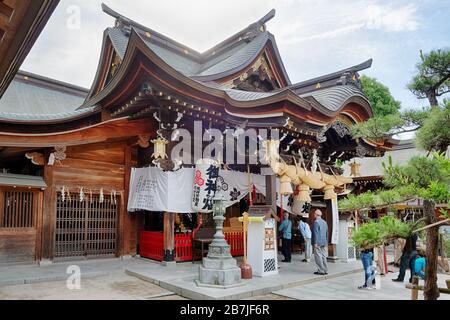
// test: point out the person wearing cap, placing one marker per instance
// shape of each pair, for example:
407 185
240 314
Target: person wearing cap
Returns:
319 240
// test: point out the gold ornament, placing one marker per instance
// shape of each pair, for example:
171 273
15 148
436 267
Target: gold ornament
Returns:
159 146
355 169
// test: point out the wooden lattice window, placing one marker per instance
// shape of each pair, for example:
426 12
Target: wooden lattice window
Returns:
87 228
18 209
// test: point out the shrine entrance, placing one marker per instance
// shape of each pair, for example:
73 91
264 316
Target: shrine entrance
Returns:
87 228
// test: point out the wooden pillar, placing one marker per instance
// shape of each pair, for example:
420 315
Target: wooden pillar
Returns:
169 236
48 216
332 250
271 192
415 289
128 232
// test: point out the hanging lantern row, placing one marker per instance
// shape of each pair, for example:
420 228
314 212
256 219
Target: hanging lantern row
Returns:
80 195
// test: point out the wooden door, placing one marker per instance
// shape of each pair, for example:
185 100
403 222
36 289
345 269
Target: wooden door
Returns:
86 229
18 225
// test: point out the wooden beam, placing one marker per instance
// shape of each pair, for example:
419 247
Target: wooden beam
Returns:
102 132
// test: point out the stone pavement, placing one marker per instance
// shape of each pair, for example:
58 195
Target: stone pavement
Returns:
180 279
33 273
114 286
107 279
346 288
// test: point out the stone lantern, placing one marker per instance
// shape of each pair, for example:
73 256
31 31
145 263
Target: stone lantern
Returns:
219 269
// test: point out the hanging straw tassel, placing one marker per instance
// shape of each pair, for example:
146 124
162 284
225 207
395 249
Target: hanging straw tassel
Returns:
286 186
303 195
329 192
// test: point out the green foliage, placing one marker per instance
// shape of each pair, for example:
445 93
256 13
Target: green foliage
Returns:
433 76
339 163
436 191
447 247
367 236
435 131
373 234
378 128
419 172
389 196
380 98
421 177
444 213
391 227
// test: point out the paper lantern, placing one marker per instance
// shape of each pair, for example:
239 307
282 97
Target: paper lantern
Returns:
285 186
159 146
329 193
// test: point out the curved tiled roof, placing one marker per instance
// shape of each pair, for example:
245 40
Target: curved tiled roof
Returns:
26 117
224 59
240 95
32 98
238 58
335 97
227 62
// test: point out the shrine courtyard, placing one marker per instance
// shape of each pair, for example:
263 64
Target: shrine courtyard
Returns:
140 279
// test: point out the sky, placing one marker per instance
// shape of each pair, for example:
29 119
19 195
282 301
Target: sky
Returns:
315 37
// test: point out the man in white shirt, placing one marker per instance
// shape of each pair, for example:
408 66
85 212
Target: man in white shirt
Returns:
305 230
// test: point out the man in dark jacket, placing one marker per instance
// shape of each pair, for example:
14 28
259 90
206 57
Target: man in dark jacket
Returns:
408 258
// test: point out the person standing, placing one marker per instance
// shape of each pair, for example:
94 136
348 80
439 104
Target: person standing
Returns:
285 229
369 276
408 258
305 230
319 241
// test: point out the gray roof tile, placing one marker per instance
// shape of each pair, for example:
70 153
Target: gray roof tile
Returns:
333 98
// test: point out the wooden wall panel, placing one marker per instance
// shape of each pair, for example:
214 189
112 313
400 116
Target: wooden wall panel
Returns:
17 245
101 165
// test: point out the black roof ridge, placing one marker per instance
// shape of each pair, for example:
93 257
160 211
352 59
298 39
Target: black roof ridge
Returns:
362 66
49 83
202 57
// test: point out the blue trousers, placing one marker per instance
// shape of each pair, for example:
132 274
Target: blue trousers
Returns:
367 261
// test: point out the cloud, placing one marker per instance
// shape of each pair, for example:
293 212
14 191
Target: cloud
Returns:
391 19
328 20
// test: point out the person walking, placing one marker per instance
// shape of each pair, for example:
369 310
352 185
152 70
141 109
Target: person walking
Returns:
305 230
408 258
319 241
285 229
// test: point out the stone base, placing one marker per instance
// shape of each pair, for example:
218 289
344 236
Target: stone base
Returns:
168 263
333 259
219 278
45 263
203 285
